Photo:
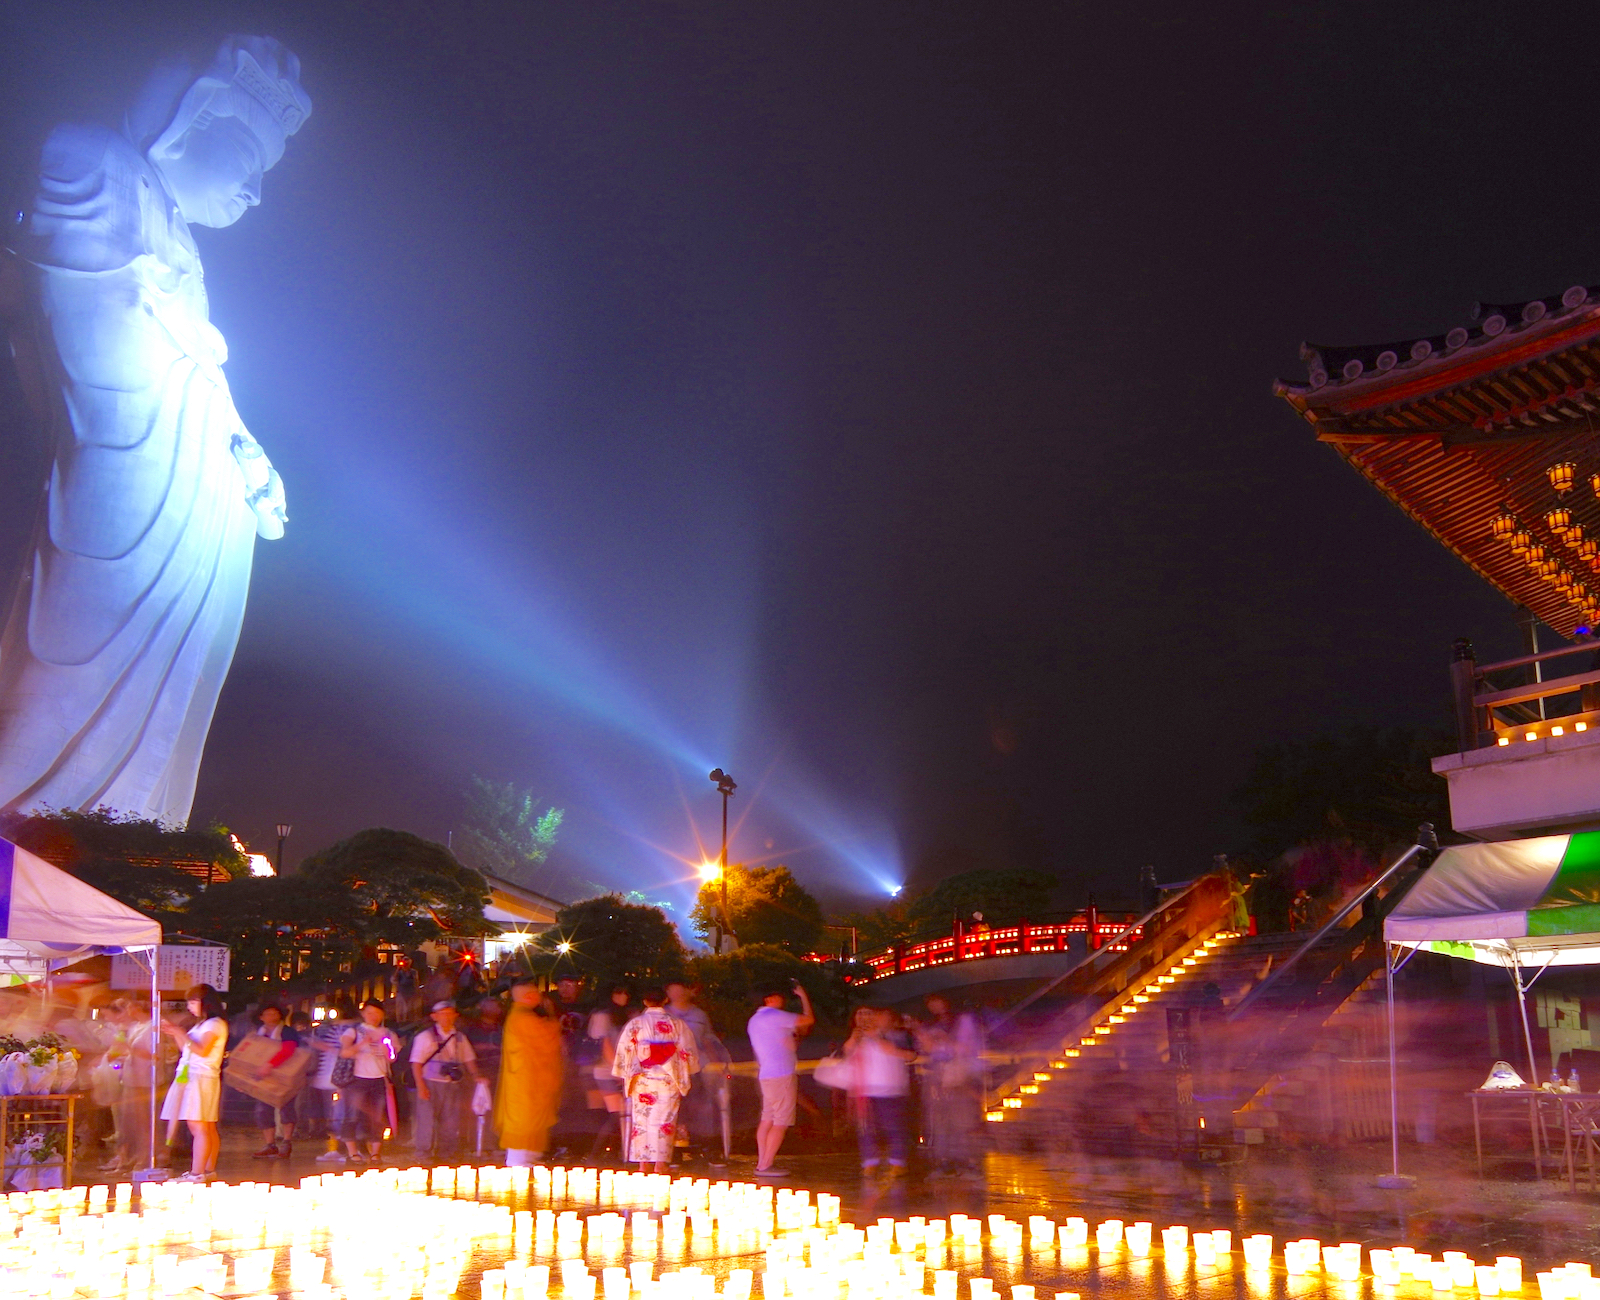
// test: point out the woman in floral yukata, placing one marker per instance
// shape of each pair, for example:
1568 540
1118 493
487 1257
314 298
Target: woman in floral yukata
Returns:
655 1060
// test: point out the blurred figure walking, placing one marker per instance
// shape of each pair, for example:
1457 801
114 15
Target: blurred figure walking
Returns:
605 1089
881 1061
951 1046
702 1108
529 1095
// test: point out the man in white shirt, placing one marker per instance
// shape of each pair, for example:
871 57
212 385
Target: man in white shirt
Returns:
773 1035
445 1068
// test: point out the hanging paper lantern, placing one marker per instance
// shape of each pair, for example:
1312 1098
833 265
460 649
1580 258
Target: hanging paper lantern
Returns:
1563 475
1503 527
1573 536
1547 569
1535 555
1589 549
1559 519
1521 541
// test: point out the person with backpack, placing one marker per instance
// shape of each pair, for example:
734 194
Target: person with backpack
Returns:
445 1069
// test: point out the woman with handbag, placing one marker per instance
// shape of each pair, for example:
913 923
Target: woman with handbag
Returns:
881 1064
361 1073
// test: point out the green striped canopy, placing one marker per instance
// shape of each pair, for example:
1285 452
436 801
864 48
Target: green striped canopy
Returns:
1536 901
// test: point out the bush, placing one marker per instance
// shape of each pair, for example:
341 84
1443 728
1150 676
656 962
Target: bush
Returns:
730 983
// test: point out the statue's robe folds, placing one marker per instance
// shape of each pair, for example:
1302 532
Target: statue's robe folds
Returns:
126 616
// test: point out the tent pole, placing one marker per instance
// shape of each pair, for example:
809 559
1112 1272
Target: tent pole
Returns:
1394 1089
155 1044
1533 1067
1522 1007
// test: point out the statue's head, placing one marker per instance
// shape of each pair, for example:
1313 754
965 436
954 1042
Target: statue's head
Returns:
214 133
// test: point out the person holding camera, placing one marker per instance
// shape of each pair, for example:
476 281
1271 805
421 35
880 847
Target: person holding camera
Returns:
445 1068
774 1034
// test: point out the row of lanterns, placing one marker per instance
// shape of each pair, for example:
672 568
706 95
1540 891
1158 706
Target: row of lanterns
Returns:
1507 528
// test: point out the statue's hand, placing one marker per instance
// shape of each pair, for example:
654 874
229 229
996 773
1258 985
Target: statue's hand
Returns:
271 510
263 487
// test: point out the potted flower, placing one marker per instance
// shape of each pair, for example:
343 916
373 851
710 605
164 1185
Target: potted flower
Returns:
36 1160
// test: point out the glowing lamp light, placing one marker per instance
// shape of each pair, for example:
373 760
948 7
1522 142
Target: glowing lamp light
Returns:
563 946
710 870
1574 535
1547 569
1563 475
1503 528
1521 541
1559 519
1535 555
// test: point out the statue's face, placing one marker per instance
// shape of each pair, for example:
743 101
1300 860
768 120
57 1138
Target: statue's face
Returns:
218 174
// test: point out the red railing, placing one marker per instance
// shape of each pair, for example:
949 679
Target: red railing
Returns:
966 944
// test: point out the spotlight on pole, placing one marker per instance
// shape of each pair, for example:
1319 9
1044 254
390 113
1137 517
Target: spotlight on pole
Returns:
725 787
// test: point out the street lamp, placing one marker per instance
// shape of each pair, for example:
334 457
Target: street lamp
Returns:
725 787
283 833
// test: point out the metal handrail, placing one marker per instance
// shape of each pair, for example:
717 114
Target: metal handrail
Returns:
1106 946
1426 843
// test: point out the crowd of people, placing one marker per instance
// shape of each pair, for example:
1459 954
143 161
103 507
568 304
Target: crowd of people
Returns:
646 1076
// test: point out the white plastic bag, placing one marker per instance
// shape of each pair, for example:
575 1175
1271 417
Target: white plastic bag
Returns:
482 1102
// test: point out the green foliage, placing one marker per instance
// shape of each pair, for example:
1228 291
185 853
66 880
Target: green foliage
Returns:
610 940
106 836
504 834
399 888
160 892
267 920
1368 787
766 905
730 983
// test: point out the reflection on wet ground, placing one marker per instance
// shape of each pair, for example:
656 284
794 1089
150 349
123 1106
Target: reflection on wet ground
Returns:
1327 1195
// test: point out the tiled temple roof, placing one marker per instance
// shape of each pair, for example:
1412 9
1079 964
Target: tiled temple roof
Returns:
1462 428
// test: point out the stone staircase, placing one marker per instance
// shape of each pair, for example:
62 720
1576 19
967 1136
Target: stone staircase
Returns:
1121 1092
1337 1090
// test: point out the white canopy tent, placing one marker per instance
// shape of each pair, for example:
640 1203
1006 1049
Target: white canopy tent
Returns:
49 919
1519 904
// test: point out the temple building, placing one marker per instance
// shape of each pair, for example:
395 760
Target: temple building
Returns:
1487 436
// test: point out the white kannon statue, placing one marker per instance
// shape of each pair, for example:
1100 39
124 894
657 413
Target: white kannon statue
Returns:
126 615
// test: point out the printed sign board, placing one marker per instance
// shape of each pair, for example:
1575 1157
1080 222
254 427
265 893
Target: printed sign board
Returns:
179 965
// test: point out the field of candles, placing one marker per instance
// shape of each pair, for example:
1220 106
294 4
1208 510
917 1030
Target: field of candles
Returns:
543 1233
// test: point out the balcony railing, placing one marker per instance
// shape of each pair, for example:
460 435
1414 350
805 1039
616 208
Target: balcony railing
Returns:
1492 709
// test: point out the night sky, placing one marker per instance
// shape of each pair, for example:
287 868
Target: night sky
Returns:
870 399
